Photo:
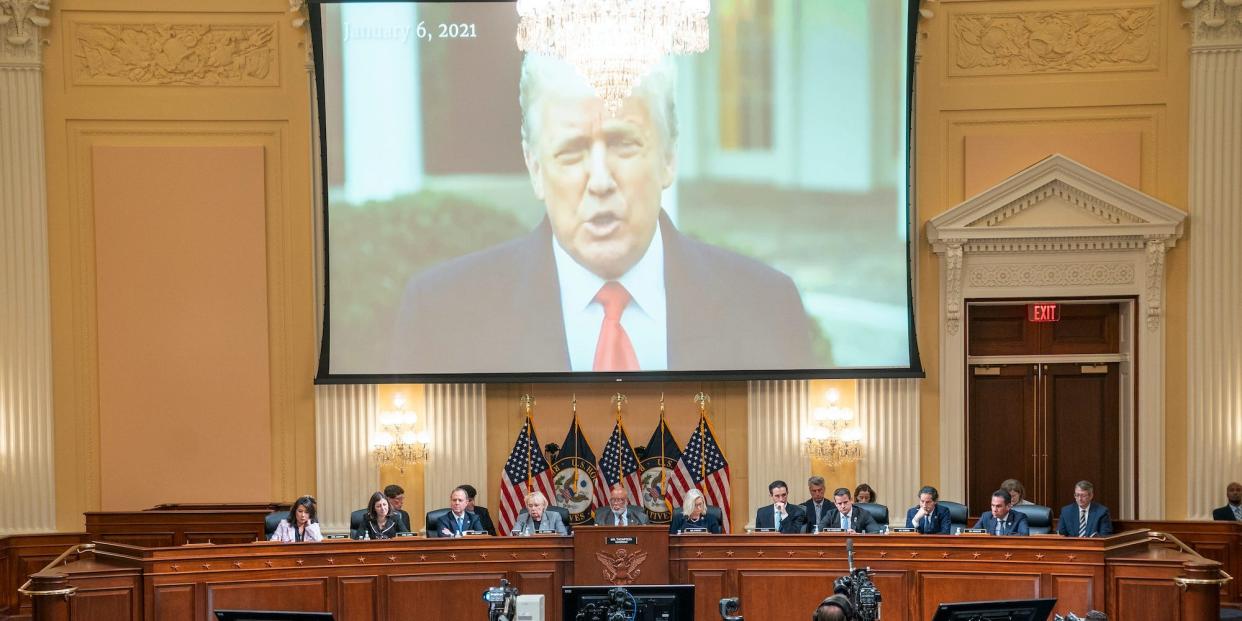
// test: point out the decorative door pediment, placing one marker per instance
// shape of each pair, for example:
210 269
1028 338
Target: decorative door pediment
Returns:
1056 204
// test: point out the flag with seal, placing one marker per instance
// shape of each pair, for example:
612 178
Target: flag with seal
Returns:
576 480
657 472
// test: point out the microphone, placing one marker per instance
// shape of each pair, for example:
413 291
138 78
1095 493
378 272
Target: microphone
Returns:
849 551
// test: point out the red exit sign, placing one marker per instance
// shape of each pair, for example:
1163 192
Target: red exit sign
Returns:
1043 313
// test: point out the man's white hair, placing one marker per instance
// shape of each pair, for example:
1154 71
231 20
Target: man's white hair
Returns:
541 74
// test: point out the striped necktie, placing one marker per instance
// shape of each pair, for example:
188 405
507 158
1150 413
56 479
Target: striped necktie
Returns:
1082 522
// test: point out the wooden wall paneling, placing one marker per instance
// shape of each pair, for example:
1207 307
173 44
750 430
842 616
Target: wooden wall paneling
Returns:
782 593
22 555
298 594
357 598
896 588
940 587
1000 330
547 582
173 602
1219 541
711 585
1001 437
1144 598
1083 329
105 603
437 596
1074 592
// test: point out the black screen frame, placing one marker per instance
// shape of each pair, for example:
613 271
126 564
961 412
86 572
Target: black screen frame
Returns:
271 615
1039 609
324 376
682 594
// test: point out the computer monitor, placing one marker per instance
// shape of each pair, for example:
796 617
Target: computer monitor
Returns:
673 602
1007 610
271 615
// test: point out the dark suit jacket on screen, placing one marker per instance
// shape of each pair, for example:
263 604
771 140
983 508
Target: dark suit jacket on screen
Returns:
448 521
938 523
1224 514
1015 524
1098 522
500 309
794 522
860 520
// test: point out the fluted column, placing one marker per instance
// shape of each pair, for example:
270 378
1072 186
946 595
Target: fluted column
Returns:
344 471
1214 348
888 410
778 412
457 420
26 458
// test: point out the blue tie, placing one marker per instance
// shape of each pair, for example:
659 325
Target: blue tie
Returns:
460 524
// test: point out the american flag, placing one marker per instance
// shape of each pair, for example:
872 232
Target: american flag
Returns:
526 471
703 466
618 463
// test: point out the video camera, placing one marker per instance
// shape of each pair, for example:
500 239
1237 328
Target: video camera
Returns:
501 601
621 606
857 587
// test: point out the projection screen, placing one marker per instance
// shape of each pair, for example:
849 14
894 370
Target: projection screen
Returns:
744 214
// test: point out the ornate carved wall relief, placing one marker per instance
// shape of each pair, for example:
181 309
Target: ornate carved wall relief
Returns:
174 54
1053 41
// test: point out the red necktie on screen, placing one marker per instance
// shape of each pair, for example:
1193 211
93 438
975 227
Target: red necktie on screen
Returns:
614 352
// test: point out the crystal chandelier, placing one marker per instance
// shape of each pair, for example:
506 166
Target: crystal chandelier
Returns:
397 443
831 438
613 43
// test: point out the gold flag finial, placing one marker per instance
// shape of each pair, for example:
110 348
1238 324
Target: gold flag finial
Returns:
702 399
618 400
661 404
528 402
573 402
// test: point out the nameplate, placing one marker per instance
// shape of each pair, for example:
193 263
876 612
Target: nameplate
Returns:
765 530
975 531
471 533
901 530
400 535
621 541
337 536
832 530
693 531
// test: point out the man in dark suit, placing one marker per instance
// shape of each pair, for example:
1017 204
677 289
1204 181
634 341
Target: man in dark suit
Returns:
619 511
816 506
1002 520
845 515
396 498
485 518
928 517
605 282
780 515
458 520
1233 510
1083 518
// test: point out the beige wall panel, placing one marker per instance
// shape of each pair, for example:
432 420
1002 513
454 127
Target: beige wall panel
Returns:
990 159
182 310
224 73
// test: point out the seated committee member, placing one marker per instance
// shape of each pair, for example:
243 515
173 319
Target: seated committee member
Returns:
1003 521
864 493
1233 510
537 518
459 520
780 515
928 517
845 516
300 525
816 507
396 498
485 518
605 282
619 511
378 523
1083 518
1017 492
694 516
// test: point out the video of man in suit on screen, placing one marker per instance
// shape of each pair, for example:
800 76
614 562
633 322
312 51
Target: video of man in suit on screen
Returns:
743 210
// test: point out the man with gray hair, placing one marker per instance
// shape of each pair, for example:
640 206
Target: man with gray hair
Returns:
1084 518
816 507
605 282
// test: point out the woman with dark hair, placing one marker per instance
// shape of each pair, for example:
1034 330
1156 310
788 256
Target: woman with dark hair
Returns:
301 524
378 525
864 493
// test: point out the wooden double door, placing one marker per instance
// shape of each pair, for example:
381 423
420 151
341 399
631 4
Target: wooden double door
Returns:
1053 420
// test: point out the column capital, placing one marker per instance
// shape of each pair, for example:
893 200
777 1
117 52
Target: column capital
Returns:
1215 24
21 29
